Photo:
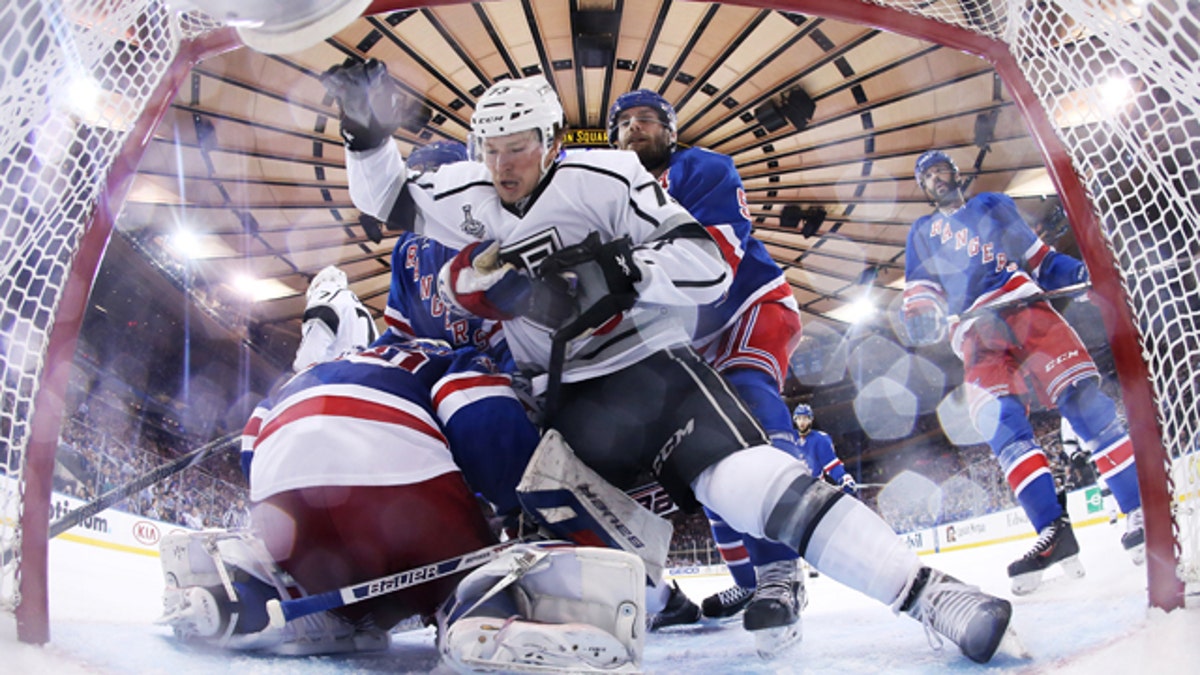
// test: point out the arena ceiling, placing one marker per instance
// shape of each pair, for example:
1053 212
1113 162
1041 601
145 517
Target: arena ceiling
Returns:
245 179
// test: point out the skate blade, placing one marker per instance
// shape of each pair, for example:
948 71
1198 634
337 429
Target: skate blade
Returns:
1138 554
1029 582
771 642
1011 646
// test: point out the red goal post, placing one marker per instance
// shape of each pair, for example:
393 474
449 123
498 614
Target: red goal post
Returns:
1129 185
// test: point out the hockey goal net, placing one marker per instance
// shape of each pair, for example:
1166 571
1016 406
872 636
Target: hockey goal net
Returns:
1128 176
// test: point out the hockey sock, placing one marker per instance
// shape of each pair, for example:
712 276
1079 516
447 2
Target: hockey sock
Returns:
1093 415
856 547
1004 422
1028 473
765 551
733 548
725 487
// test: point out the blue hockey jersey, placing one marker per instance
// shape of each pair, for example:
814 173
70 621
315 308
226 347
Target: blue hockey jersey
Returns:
707 184
393 414
414 308
983 253
818 451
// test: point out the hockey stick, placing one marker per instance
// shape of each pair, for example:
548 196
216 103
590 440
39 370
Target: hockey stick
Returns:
593 317
149 478
115 495
282 611
1064 292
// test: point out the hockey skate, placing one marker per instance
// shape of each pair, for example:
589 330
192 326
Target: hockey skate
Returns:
726 603
773 614
1134 539
680 610
217 587
970 618
1055 544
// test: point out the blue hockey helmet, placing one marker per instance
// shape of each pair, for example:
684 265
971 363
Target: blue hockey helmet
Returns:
431 156
928 159
803 410
634 99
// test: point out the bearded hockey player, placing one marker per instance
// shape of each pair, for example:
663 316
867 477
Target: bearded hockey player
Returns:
335 322
588 248
974 269
747 336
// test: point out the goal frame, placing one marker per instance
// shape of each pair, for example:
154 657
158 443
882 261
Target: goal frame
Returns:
45 423
1165 589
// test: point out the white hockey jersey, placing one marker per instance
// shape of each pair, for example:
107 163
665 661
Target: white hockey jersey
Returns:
335 323
605 191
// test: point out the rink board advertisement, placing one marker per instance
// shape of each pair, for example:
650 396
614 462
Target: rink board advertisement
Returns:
137 534
110 528
1085 506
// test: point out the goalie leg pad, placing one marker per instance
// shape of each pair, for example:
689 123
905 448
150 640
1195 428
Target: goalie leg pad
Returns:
588 601
484 644
574 502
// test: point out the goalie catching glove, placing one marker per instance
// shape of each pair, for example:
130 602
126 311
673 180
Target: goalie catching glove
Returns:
371 103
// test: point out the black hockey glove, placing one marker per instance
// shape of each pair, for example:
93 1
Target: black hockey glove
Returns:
612 260
601 276
371 103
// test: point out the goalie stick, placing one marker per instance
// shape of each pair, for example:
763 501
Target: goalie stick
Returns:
282 611
116 494
1064 292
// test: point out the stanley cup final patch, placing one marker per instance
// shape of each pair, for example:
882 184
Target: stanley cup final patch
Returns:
470 225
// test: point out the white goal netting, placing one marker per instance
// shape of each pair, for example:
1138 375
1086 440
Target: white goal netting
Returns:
61 62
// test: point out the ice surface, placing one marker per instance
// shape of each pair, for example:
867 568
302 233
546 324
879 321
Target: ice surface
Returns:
103 604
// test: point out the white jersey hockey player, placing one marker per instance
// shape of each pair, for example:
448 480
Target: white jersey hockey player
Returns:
335 321
591 244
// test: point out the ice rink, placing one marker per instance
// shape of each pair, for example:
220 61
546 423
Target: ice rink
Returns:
103 604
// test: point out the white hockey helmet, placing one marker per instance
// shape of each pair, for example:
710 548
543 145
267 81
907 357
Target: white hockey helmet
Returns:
330 279
280 26
511 106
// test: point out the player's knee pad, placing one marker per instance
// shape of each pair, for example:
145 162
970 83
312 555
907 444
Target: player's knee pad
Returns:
798 509
723 486
1002 420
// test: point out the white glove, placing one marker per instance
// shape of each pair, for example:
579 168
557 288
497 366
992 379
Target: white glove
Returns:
848 484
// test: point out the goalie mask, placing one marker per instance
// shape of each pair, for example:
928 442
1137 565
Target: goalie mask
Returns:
279 26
